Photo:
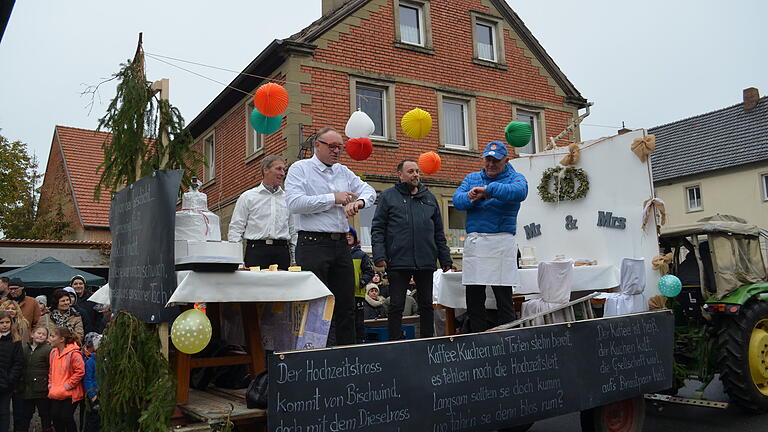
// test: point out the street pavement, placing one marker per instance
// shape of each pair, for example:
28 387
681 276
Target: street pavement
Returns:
665 417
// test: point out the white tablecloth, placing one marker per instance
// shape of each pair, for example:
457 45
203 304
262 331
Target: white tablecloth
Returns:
248 286
450 291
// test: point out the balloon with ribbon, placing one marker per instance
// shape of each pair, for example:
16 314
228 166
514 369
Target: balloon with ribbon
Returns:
359 125
265 125
359 148
518 134
670 285
271 99
429 162
416 123
191 331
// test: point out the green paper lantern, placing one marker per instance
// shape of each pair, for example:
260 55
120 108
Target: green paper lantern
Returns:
518 134
265 125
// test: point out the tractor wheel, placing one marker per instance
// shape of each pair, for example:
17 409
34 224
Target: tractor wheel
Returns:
518 428
743 356
623 416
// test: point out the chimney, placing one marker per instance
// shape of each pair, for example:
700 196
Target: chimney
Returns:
751 97
623 129
329 5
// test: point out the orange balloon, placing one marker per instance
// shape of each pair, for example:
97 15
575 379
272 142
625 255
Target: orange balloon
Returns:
429 162
271 99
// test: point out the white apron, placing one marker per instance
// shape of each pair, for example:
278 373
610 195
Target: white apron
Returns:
490 259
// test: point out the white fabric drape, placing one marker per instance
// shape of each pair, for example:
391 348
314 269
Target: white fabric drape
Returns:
555 280
630 298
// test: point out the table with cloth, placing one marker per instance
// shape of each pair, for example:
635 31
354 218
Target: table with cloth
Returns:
450 293
246 289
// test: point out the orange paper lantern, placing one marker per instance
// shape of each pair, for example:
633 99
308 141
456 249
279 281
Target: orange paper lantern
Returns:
359 148
429 162
271 99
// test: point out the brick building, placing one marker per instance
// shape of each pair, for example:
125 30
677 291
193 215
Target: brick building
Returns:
472 64
71 177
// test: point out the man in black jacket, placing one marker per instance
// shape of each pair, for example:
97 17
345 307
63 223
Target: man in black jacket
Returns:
408 239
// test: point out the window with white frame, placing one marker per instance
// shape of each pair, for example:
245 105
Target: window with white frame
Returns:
764 179
532 119
457 221
254 140
372 101
693 193
454 123
412 23
485 37
209 151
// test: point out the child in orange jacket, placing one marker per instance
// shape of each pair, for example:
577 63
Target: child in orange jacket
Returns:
65 379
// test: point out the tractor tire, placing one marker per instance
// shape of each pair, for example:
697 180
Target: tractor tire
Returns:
623 416
518 428
743 357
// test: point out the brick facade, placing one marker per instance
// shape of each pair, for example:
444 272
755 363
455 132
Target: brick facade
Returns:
363 46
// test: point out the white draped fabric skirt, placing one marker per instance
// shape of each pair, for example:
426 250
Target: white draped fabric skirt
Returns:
490 259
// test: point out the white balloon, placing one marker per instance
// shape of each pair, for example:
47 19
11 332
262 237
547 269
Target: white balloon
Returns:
359 125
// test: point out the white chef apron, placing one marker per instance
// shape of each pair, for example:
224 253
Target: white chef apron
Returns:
490 259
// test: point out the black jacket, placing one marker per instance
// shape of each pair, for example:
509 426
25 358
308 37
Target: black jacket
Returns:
407 230
11 362
34 383
366 270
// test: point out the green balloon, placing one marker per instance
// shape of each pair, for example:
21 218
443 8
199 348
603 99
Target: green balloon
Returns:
265 125
518 134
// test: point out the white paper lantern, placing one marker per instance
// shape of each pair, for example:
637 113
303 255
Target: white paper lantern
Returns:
359 125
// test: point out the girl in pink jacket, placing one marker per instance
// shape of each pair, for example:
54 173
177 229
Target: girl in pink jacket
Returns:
65 379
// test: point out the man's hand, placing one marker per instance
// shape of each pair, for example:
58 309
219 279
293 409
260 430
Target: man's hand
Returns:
381 264
344 198
447 268
477 193
352 208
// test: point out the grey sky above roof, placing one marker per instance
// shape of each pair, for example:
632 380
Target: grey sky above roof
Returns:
725 138
636 64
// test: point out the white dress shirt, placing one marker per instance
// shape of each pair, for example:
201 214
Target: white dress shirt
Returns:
309 189
260 215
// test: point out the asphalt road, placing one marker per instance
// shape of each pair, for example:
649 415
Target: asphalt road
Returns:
664 417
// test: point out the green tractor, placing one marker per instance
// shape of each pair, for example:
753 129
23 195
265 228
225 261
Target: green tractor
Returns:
721 314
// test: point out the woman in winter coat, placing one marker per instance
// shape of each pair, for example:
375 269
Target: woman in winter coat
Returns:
34 384
374 305
11 366
63 315
65 379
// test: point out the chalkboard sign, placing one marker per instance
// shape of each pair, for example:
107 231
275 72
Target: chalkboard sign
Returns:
141 266
474 382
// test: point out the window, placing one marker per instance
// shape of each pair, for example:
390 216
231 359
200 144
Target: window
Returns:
411 24
366 222
485 33
373 101
764 179
532 119
694 198
457 221
454 123
209 150
254 140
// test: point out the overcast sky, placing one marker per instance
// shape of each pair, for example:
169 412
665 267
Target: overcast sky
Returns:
642 62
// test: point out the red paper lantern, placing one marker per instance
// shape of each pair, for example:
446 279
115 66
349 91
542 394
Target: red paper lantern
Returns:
359 148
271 99
429 162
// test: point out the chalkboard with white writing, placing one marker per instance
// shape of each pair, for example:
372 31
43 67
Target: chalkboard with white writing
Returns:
474 382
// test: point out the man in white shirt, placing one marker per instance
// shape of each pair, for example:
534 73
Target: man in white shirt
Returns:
321 194
261 217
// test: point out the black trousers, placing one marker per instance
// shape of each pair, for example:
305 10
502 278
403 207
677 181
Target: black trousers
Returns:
331 261
398 285
43 406
264 255
63 415
478 316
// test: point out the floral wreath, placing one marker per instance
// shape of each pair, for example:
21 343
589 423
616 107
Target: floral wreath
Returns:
565 180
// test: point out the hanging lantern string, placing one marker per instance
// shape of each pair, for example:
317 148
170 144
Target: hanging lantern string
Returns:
161 58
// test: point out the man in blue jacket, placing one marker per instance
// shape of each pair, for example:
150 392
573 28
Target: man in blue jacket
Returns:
491 197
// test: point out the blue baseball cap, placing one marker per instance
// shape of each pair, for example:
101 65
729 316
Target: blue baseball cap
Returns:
496 149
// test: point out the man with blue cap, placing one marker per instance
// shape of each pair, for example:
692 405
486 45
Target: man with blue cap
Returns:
491 197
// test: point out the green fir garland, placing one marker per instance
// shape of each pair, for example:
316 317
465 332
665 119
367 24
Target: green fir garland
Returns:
137 391
566 188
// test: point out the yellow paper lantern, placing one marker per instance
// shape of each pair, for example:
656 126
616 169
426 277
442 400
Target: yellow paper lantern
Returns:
191 331
416 123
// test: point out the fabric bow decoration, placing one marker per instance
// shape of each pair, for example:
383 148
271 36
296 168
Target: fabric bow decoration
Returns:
644 146
649 206
662 262
573 156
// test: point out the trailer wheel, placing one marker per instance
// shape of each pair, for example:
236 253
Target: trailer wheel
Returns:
518 428
743 356
623 416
